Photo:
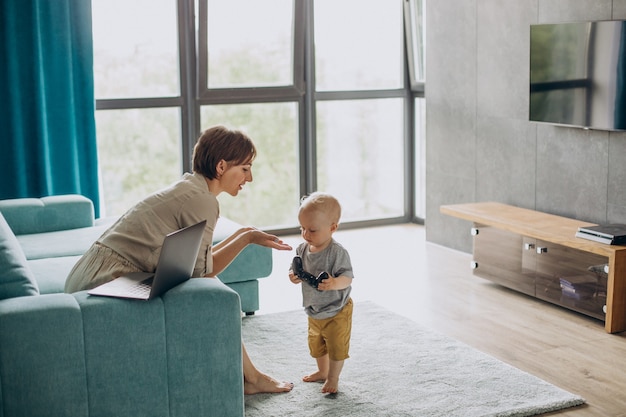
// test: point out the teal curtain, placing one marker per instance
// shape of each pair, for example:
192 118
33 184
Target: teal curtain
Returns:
47 122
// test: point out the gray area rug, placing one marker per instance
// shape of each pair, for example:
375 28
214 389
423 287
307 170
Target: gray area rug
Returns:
396 369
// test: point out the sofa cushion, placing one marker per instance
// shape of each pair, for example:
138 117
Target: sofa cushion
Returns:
16 279
70 242
47 214
51 273
42 359
253 262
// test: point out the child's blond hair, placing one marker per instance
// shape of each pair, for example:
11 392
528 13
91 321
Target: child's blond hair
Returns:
323 203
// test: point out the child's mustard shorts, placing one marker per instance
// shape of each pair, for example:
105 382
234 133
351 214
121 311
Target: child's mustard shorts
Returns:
331 335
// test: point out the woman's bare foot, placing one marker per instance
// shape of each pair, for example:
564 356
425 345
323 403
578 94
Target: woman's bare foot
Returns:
315 377
331 386
266 384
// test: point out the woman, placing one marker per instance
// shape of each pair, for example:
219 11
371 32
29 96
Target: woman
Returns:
222 162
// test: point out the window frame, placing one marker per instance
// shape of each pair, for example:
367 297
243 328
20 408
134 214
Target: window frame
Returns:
414 34
194 93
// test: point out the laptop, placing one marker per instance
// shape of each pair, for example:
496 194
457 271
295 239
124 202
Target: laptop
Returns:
175 265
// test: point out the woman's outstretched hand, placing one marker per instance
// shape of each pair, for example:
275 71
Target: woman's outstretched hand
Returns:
259 237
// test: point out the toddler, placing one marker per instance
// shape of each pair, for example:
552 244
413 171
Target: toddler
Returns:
322 266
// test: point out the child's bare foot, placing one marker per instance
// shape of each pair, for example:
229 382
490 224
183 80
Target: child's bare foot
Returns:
314 377
266 384
331 386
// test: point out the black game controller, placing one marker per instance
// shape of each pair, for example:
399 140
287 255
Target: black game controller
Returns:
312 280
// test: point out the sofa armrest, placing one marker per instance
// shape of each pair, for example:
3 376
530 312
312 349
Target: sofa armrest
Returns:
252 263
42 361
47 214
80 355
203 327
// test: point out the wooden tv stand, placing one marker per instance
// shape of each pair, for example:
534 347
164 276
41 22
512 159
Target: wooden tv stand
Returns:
499 228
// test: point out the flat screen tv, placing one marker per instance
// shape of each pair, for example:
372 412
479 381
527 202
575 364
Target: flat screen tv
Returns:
578 74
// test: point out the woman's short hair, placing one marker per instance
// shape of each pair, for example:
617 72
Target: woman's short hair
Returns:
217 143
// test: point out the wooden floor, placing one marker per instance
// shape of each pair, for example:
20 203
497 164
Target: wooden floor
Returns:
396 268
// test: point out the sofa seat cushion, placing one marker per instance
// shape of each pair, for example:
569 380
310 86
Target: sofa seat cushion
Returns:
60 243
16 278
51 273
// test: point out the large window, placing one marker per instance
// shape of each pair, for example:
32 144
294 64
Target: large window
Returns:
272 197
249 43
138 92
324 88
138 152
414 20
360 153
135 57
358 45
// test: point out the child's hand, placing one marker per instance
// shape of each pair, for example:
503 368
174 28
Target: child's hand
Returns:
327 284
337 283
293 278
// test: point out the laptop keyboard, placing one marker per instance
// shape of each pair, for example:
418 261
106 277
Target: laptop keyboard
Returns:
142 288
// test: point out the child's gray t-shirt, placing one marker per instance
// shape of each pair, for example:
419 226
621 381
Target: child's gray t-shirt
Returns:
335 260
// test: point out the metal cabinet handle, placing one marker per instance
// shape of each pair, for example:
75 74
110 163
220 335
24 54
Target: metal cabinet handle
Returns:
474 231
541 249
474 264
529 246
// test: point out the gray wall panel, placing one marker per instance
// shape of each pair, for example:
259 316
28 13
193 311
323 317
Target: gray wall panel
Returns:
505 169
502 67
616 195
572 172
573 10
480 145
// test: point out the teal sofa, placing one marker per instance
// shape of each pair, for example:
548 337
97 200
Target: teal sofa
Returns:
79 355
55 231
